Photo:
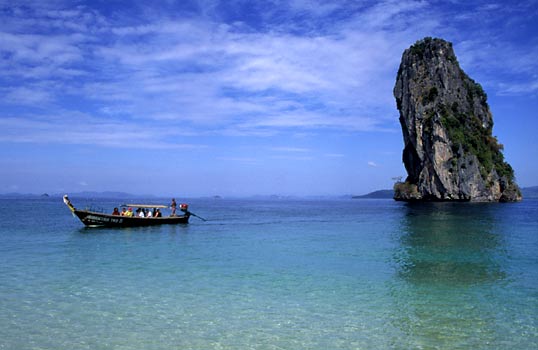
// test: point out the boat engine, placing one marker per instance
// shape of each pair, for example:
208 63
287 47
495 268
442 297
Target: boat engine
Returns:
184 207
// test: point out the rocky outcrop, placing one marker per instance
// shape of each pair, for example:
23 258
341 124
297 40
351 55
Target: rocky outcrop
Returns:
450 153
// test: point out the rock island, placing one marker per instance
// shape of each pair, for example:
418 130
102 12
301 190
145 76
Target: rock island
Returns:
450 153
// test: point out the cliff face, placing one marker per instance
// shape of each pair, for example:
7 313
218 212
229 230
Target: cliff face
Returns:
450 153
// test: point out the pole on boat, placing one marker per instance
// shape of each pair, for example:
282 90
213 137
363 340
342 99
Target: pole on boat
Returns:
199 217
191 213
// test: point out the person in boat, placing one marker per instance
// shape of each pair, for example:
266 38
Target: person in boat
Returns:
173 205
116 212
149 214
158 213
123 211
140 213
129 212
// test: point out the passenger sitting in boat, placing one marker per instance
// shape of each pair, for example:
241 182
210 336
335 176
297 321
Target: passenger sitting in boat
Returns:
129 212
158 213
123 212
116 212
140 212
149 214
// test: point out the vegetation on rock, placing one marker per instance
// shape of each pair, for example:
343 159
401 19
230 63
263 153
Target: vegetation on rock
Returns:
406 190
466 131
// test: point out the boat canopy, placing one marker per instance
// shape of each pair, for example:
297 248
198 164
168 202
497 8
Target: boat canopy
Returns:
145 205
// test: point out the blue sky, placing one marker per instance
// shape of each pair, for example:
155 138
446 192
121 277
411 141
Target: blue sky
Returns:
234 98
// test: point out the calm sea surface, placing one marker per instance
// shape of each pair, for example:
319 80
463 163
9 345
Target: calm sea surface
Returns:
272 274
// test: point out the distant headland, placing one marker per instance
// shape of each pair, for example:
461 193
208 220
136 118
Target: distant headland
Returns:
379 194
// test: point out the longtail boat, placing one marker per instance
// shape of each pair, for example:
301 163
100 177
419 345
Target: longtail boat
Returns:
92 218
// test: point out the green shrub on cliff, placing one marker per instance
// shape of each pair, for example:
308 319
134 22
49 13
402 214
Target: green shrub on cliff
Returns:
406 190
467 131
475 90
419 48
430 96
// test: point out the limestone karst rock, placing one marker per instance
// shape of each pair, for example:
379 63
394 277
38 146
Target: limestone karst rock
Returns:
450 153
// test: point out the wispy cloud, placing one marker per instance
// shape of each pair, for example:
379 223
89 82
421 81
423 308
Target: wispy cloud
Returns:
92 131
246 160
27 95
518 88
206 75
334 155
290 149
205 72
292 157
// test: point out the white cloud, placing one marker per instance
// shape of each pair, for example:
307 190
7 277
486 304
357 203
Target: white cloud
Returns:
27 95
246 160
518 88
93 131
290 157
200 75
290 149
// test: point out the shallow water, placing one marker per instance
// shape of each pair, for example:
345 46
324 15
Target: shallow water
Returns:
273 274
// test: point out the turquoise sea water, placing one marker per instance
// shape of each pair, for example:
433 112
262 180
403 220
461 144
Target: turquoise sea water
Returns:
273 274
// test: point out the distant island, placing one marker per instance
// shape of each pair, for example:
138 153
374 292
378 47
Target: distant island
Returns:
376 195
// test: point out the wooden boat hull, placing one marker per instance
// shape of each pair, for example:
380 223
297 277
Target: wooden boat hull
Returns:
93 219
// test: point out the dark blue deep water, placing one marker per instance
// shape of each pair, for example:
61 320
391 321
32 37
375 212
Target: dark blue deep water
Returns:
272 274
